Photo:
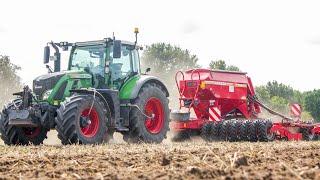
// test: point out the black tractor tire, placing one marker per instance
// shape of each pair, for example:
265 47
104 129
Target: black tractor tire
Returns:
244 130
253 131
234 131
263 131
206 131
225 130
181 136
215 131
307 135
13 135
151 100
82 119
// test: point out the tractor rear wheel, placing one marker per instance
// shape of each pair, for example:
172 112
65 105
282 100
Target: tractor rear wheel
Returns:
13 135
149 121
82 119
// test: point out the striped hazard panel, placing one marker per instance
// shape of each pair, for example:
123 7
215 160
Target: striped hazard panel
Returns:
214 114
295 109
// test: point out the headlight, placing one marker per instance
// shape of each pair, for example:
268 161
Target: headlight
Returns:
46 94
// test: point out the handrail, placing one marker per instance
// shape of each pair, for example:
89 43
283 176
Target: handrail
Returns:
195 94
180 92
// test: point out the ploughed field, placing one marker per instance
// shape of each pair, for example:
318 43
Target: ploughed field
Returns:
188 160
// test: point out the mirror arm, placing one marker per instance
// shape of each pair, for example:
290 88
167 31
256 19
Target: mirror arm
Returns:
55 47
57 54
49 69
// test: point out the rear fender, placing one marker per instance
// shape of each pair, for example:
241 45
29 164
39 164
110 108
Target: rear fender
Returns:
137 84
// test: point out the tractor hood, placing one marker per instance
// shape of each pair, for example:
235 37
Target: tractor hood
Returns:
46 82
57 81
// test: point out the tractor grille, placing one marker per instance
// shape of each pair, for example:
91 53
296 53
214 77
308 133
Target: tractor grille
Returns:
46 82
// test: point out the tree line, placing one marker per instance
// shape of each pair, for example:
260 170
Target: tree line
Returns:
9 80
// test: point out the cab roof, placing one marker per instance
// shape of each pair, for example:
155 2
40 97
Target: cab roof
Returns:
101 42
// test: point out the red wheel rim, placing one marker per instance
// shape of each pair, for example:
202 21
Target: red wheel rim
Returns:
32 132
90 129
154 108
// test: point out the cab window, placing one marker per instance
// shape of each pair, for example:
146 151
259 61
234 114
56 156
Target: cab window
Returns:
136 62
121 67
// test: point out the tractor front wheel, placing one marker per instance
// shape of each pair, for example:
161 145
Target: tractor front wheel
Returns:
82 119
149 121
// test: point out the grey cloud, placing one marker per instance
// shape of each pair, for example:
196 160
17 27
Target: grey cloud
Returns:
2 29
315 41
190 27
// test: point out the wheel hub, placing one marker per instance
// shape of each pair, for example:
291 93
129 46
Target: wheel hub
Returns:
84 121
32 132
153 108
89 122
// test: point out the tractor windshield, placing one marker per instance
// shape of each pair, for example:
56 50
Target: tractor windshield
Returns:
90 57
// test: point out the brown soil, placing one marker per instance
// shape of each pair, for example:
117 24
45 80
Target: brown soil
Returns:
188 160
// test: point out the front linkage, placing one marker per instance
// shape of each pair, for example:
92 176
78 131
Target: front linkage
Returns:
26 120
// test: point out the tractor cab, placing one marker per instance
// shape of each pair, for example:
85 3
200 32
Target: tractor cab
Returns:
110 62
110 65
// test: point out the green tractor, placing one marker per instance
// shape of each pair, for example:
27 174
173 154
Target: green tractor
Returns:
102 92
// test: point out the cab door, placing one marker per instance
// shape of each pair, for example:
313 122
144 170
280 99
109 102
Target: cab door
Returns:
121 68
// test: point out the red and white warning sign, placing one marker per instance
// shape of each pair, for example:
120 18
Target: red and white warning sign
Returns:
296 109
214 114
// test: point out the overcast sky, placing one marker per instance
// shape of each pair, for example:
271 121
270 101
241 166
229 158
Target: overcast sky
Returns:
271 40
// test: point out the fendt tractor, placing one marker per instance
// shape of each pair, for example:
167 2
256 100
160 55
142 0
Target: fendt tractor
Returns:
103 91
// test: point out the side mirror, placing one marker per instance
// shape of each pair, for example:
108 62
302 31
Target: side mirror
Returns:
117 49
46 54
148 70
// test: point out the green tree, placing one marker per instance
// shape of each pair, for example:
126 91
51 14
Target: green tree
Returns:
165 60
280 104
278 96
278 89
233 68
312 103
9 80
262 93
221 65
